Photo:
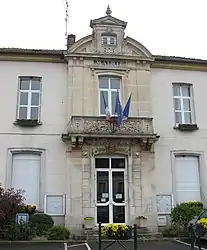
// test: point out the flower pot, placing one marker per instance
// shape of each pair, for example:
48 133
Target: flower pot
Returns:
123 236
88 222
142 222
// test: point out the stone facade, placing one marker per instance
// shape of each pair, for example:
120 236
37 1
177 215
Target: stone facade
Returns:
89 135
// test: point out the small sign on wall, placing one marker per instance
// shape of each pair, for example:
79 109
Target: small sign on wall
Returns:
22 218
162 220
54 204
164 203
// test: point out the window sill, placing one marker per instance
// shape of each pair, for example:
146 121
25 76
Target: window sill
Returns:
27 123
186 127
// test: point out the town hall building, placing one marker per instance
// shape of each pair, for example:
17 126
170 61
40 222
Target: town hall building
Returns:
73 163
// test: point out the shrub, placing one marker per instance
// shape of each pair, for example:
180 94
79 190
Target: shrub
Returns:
58 233
171 231
184 212
18 232
10 203
41 223
29 209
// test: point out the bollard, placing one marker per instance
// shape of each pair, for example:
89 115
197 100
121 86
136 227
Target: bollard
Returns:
135 237
99 236
192 237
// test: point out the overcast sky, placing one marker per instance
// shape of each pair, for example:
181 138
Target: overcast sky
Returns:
165 27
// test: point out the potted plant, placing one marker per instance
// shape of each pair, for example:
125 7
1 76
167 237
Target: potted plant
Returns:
88 222
141 221
117 232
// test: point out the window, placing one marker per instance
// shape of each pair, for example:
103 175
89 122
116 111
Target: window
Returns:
29 98
26 175
183 103
187 178
108 88
107 40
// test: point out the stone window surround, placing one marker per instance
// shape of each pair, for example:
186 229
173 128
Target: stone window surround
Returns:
22 150
200 156
108 73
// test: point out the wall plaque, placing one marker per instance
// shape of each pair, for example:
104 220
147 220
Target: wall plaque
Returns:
164 203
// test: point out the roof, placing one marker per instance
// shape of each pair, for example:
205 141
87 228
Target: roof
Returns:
60 54
32 51
179 59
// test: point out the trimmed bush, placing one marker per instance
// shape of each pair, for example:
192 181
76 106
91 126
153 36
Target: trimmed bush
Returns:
184 212
18 232
58 233
41 223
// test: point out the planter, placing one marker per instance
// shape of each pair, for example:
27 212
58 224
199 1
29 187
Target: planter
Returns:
88 222
200 230
141 222
124 236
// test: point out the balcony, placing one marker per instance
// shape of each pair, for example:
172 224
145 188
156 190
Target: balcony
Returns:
82 128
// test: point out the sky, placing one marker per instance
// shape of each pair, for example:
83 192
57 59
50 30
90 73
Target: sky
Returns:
164 27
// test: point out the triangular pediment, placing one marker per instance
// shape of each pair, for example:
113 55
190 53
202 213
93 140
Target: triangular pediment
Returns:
108 20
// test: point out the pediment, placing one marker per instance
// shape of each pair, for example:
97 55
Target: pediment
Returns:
131 48
108 20
134 48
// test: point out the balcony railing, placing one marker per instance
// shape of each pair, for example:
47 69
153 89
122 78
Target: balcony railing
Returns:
95 126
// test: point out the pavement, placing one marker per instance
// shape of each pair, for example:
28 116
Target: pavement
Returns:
158 245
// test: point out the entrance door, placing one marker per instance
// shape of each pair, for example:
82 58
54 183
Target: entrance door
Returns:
110 190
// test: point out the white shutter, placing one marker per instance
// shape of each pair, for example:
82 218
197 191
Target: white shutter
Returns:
187 179
25 175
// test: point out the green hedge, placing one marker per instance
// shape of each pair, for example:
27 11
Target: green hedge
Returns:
180 216
58 233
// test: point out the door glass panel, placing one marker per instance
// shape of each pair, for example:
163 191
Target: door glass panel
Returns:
24 98
103 214
22 113
117 163
177 103
102 187
34 113
118 187
186 90
35 84
178 117
176 90
118 214
188 119
115 83
186 104
113 101
102 163
103 102
103 83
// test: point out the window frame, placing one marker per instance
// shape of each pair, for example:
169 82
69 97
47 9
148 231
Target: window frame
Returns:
188 153
108 40
29 91
181 98
109 91
9 169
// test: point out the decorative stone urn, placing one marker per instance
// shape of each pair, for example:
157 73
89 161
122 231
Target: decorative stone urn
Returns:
88 222
141 221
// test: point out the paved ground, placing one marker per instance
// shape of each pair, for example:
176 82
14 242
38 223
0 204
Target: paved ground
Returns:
162 245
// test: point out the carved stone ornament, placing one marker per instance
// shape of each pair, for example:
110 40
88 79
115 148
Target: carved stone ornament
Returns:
110 146
99 137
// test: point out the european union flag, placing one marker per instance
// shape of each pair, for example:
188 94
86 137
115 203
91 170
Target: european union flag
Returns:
126 109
